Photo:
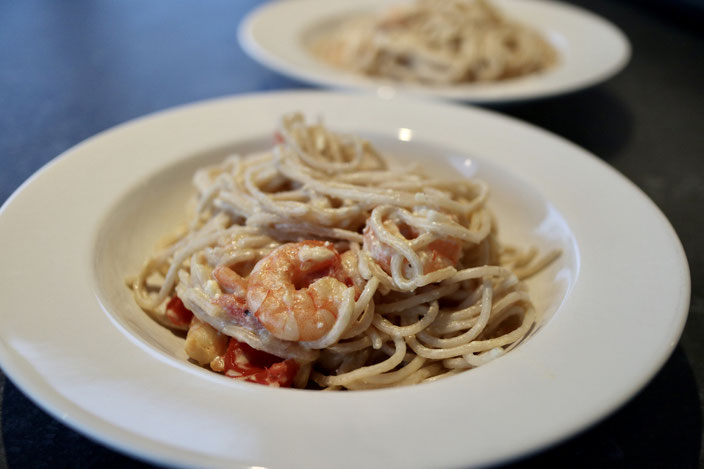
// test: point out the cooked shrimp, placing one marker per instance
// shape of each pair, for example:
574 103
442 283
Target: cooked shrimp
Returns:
436 255
350 266
234 300
230 281
296 291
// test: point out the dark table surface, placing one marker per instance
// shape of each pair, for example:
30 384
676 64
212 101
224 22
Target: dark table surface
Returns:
71 69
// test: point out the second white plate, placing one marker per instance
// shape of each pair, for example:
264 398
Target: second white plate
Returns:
590 49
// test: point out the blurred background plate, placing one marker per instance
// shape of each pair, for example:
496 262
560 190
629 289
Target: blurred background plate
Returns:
590 49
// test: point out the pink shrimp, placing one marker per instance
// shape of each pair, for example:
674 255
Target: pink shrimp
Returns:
296 291
350 267
230 281
436 255
234 300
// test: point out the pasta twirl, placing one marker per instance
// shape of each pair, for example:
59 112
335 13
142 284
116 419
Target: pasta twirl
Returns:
315 264
437 42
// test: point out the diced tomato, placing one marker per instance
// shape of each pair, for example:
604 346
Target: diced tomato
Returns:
257 357
249 364
279 374
177 312
278 138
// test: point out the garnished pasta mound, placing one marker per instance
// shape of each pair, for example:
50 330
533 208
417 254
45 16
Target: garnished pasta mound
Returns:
315 265
438 42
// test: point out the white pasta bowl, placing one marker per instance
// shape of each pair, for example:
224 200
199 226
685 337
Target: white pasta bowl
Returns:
589 49
72 338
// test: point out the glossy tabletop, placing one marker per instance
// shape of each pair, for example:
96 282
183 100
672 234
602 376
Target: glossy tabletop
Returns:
71 69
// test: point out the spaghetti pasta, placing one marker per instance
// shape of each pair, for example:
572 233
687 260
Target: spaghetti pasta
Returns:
315 264
437 42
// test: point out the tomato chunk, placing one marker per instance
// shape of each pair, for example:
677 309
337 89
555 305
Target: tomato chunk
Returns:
246 363
177 312
278 138
279 374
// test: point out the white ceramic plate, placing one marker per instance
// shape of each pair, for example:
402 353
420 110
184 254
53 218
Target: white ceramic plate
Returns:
591 49
72 338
